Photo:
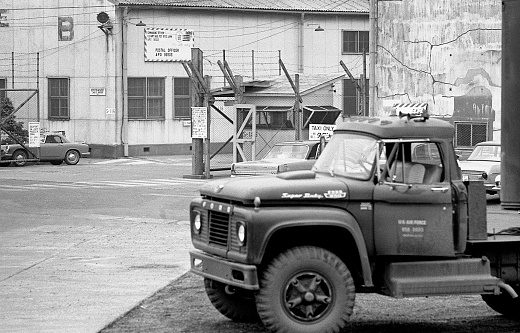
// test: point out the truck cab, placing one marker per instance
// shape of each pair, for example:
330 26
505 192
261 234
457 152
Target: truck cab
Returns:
384 209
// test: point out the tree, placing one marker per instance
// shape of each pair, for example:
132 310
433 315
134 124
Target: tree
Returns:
14 129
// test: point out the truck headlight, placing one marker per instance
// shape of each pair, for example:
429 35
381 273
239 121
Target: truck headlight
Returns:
241 233
197 223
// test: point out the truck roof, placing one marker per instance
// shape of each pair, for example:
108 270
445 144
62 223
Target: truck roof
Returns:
395 127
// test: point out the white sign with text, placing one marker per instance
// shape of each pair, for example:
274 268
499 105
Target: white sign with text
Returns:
318 130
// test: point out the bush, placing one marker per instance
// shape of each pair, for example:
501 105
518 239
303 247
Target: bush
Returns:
11 126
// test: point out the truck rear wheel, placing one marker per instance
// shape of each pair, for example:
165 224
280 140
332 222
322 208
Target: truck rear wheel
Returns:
235 303
306 290
504 304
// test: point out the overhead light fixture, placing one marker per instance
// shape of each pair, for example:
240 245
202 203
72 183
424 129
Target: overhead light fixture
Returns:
140 24
319 28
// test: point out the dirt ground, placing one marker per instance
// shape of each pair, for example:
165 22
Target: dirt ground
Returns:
183 306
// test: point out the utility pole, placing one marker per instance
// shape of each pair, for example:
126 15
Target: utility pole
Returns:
510 120
372 41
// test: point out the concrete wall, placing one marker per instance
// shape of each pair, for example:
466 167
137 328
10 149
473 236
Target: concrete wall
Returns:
446 53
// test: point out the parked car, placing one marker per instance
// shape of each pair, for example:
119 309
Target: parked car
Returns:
285 156
483 164
497 185
54 148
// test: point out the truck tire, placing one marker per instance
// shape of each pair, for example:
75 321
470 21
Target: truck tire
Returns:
235 303
504 304
306 290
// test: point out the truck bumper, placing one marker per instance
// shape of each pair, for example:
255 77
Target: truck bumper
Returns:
225 271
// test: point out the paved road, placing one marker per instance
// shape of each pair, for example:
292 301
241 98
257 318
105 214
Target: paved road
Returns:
81 245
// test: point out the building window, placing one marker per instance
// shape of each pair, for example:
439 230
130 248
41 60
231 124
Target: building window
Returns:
3 85
469 134
59 96
352 99
146 98
355 42
181 97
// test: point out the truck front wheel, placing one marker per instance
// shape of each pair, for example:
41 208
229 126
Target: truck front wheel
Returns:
504 304
306 289
235 303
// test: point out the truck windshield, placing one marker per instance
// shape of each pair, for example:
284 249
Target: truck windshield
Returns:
349 155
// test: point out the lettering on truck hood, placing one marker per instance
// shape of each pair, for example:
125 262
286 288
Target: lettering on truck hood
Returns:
274 188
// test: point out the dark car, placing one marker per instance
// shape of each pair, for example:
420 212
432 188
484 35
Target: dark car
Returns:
54 148
285 156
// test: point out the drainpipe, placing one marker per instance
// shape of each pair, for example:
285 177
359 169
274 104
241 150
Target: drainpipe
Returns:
510 121
372 40
300 44
124 84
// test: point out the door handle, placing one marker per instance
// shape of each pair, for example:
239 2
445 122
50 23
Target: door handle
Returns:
440 189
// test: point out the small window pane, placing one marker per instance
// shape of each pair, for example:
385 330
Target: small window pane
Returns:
182 98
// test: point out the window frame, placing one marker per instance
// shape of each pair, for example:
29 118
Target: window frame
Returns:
146 98
361 38
181 97
3 85
59 98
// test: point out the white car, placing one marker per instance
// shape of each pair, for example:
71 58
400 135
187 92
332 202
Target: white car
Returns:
483 164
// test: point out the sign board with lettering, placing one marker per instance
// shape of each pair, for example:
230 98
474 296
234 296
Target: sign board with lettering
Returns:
164 44
98 92
318 130
34 134
199 122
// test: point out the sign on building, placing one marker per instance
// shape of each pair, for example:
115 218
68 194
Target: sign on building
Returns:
199 122
65 28
318 130
34 134
98 92
164 44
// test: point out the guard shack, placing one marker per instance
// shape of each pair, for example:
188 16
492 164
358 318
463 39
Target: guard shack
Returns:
269 113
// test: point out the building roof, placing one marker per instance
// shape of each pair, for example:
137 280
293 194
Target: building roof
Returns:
280 86
307 6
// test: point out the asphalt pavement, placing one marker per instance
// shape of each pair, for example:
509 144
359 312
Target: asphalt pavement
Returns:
123 295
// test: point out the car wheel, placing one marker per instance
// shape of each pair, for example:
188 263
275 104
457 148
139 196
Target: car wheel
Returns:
20 158
56 162
72 157
235 303
305 290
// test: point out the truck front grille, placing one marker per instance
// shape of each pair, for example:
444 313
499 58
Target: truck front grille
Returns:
218 228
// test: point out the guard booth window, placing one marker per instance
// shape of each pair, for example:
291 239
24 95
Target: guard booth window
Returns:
277 117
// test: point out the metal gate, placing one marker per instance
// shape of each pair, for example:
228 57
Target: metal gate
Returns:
244 148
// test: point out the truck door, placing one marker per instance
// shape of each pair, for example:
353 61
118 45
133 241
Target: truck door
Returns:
413 201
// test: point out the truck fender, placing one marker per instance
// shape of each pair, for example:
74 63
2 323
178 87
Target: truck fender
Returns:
325 217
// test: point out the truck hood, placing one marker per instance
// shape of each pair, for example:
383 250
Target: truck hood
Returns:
294 185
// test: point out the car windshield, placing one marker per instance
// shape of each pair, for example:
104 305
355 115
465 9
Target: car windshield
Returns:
485 153
288 152
349 155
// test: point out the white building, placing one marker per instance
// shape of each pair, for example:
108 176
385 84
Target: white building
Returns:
78 65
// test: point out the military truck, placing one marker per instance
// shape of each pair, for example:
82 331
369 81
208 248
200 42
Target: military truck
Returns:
383 210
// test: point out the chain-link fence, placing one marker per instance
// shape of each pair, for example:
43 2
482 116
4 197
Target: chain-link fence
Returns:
19 108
